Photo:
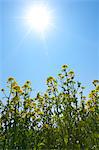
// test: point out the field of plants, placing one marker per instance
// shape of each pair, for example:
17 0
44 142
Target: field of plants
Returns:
61 118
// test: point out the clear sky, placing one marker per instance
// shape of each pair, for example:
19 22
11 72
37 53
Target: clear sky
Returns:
74 41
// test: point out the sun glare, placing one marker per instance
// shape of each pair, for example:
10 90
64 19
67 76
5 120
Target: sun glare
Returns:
39 18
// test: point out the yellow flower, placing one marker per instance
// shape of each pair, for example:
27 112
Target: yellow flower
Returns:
46 95
95 82
97 88
28 82
71 73
64 67
33 104
88 103
23 115
25 86
10 79
50 79
16 88
33 117
20 91
61 75
67 95
92 109
84 97
46 125
37 110
92 94
40 113
14 84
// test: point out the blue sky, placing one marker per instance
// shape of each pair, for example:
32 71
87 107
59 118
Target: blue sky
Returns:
73 41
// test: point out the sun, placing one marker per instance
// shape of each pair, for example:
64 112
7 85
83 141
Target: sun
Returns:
39 18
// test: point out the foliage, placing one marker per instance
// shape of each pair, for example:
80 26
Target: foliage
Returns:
61 118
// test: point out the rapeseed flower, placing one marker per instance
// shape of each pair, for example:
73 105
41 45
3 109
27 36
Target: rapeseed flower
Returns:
10 79
64 67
